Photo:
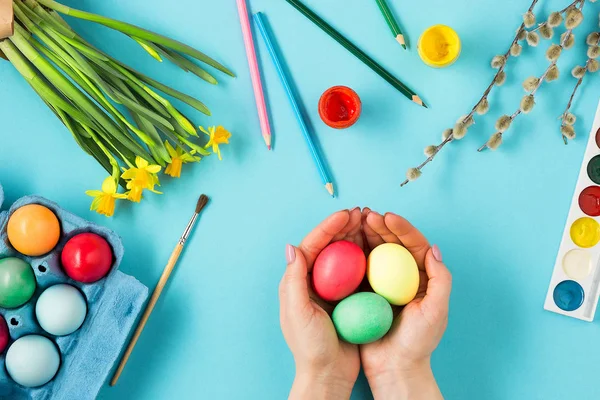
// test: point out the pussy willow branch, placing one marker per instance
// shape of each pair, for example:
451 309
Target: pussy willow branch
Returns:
485 94
564 10
570 103
542 78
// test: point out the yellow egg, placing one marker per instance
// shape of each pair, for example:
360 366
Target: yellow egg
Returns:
393 273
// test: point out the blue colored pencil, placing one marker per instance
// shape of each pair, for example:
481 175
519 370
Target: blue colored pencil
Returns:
261 22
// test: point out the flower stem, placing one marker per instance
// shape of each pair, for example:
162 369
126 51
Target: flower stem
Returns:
136 31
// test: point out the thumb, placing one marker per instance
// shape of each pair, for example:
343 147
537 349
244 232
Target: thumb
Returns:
439 285
293 289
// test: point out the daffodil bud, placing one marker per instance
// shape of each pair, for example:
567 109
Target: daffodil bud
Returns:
529 19
503 123
413 174
483 106
495 141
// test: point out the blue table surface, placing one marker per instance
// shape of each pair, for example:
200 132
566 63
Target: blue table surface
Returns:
498 217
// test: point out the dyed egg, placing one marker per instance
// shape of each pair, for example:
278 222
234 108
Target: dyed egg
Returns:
393 273
87 257
4 334
33 230
17 282
61 309
338 270
362 318
32 361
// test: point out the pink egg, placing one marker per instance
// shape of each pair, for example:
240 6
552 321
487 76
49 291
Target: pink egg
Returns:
4 334
339 270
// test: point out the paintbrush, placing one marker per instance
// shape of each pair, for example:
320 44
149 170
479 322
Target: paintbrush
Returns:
202 201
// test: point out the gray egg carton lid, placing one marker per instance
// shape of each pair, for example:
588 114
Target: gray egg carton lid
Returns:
114 303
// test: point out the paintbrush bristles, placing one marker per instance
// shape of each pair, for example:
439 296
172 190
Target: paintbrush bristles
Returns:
202 202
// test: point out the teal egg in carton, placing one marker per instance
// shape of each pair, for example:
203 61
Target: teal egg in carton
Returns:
113 305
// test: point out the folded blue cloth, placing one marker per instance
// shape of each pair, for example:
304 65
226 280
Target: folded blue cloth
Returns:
114 303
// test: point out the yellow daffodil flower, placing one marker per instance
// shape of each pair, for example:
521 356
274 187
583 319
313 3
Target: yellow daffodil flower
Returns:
178 158
142 176
104 200
217 135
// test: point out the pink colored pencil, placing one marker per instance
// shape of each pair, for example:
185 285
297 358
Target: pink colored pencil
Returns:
259 96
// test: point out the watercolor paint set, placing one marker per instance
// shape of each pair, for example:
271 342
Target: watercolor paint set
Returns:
575 284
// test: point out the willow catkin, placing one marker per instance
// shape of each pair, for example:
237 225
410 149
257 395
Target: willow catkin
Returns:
554 19
529 19
527 103
578 72
574 18
430 151
533 39
569 119
531 83
503 123
553 52
495 141
500 78
568 131
546 31
483 106
552 74
413 174
498 61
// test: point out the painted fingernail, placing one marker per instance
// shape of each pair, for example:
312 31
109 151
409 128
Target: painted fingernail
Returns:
290 253
437 254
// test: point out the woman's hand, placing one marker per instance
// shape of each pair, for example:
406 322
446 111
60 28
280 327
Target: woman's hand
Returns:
398 365
326 367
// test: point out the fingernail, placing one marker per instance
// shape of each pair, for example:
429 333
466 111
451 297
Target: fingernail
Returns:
437 254
290 253
354 209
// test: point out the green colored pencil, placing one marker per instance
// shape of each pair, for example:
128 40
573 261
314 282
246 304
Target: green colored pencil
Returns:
361 55
391 21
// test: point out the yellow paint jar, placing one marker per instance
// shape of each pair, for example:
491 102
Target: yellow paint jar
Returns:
439 46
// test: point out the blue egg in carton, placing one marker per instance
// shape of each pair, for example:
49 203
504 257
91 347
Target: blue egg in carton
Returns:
113 305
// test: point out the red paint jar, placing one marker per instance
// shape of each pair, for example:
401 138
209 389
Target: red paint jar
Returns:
340 107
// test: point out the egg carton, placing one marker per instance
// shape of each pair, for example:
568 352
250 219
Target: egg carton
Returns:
114 303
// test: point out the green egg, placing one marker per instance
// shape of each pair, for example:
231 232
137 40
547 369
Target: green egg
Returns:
362 318
17 282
